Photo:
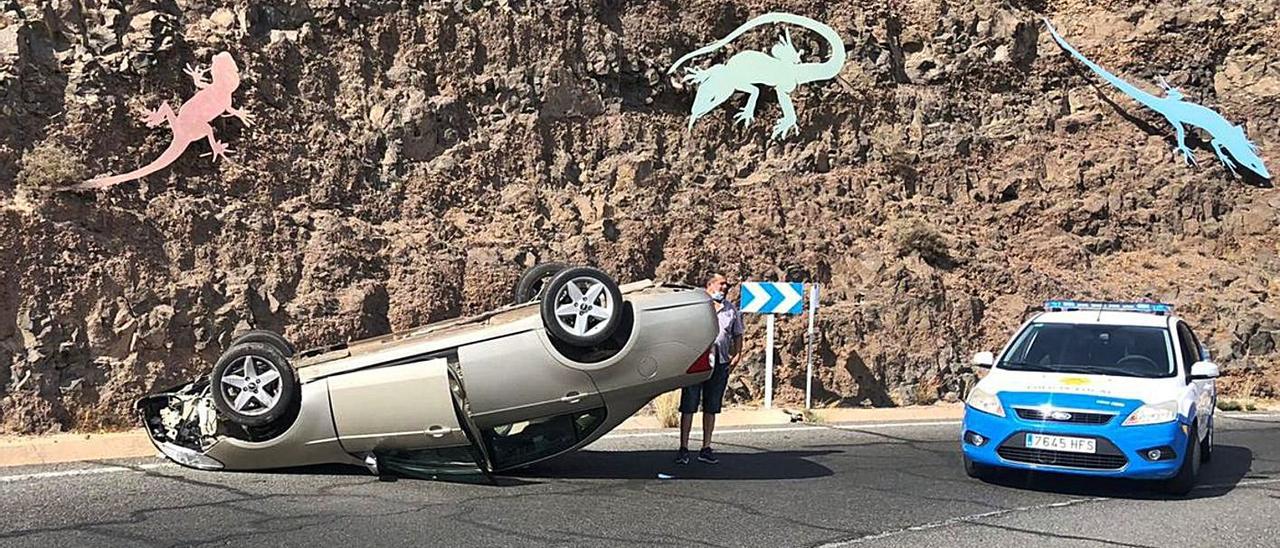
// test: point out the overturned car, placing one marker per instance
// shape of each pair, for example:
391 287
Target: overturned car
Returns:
574 356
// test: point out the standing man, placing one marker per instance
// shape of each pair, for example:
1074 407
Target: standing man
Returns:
711 391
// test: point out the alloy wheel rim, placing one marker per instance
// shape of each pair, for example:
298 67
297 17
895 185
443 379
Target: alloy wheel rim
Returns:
583 307
252 386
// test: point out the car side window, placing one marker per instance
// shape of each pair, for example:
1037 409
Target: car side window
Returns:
1189 348
526 441
1200 350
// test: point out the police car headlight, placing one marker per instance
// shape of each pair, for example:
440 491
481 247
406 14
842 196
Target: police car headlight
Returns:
985 402
1153 413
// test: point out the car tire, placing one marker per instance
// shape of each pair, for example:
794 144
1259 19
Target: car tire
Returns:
1189 472
269 337
975 470
240 369
582 306
534 280
1206 446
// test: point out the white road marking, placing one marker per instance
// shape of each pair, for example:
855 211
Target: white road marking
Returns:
853 427
997 513
1249 415
83 472
109 469
960 519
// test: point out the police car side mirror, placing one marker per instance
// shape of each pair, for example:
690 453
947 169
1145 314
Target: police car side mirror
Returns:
1204 370
984 359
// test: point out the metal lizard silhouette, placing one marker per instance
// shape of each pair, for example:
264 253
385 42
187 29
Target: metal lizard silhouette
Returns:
780 68
191 123
1227 138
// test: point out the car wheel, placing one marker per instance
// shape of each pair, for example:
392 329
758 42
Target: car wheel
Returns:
269 337
253 384
1185 480
1206 446
534 280
582 306
975 470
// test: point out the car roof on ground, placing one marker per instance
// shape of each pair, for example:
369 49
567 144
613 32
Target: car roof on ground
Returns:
1105 317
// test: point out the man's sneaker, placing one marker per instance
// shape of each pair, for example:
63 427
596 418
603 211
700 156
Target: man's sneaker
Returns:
705 455
682 457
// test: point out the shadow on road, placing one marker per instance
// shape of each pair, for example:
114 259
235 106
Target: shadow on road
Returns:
773 465
1230 464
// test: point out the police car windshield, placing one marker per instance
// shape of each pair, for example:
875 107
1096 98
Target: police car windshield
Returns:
1130 351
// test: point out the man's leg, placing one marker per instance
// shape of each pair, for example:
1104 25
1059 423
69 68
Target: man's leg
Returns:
708 425
712 398
686 424
689 397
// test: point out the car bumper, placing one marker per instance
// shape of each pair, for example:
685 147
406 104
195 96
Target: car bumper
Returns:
1004 446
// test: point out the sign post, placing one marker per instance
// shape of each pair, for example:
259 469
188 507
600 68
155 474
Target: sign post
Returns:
808 370
771 298
768 363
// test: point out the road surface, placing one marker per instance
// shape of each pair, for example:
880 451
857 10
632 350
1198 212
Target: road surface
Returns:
897 484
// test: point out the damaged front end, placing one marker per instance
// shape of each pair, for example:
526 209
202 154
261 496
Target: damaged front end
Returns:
183 424
186 427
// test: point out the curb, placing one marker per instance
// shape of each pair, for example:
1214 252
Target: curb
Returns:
60 448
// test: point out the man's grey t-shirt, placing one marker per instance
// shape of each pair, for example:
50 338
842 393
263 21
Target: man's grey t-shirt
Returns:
730 320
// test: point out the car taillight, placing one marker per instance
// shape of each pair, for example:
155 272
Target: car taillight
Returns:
702 364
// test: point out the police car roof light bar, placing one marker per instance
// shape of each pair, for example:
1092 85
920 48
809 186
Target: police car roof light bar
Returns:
1151 308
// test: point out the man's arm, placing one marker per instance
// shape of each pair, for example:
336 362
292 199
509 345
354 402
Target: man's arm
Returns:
735 347
735 352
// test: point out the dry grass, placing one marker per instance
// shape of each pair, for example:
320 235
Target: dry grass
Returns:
667 407
50 165
1243 399
926 392
812 416
916 236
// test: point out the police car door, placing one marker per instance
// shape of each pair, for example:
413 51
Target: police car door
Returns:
1202 390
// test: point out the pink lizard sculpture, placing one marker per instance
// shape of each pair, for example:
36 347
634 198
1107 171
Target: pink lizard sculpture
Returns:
191 123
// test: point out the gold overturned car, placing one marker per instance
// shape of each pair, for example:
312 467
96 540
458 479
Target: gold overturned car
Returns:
574 356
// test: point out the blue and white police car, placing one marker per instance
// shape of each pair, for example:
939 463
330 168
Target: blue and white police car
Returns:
1105 389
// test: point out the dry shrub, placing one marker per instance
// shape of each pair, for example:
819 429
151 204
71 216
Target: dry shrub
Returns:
667 407
916 236
50 165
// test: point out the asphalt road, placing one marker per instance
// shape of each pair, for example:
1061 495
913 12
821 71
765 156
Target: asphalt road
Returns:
877 485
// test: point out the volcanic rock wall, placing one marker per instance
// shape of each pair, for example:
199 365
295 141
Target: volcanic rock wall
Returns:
407 160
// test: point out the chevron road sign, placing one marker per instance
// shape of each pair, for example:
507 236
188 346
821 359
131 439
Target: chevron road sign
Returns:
772 297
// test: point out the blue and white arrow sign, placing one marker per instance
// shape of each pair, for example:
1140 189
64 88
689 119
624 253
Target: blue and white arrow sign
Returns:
772 297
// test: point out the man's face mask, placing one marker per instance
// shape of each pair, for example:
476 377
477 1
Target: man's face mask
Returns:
718 296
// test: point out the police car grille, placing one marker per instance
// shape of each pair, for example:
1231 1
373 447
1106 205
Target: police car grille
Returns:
1077 417
1063 458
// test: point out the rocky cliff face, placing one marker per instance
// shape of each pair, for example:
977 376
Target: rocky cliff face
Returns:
406 161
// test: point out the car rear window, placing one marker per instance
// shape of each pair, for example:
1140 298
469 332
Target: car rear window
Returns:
1125 350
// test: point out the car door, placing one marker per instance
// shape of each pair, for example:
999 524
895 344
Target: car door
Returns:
513 378
1202 390
404 406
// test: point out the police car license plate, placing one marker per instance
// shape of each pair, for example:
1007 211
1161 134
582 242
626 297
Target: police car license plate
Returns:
1062 443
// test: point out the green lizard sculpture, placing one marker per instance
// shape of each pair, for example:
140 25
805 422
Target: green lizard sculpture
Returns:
1227 137
780 68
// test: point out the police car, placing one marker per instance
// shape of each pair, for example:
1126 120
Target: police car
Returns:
1107 389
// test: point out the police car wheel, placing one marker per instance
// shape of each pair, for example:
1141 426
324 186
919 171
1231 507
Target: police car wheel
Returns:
1185 480
975 470
1206 446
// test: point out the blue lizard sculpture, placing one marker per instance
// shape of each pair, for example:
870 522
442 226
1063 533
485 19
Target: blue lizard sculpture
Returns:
780 68
1227 138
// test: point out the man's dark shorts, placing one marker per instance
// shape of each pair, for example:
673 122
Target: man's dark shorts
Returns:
710 392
